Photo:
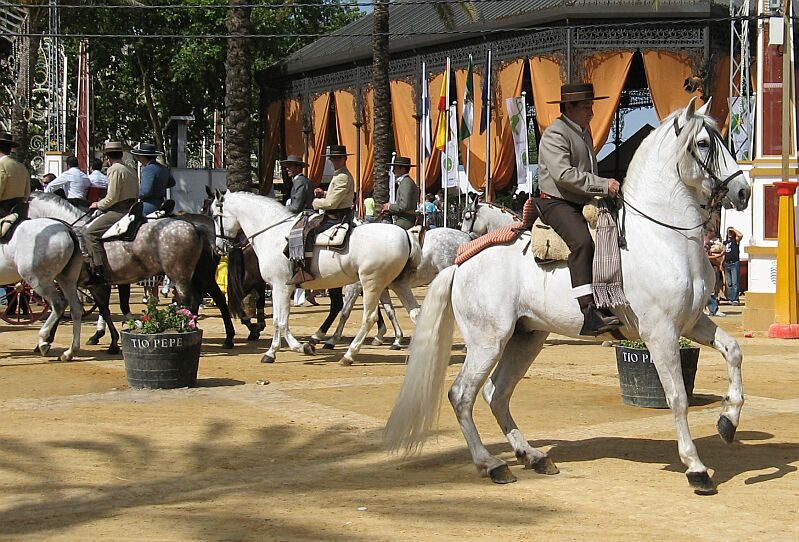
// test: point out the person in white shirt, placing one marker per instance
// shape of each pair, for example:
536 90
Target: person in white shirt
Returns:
74 182
97 177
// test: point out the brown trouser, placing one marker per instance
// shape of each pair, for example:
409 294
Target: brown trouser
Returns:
566 218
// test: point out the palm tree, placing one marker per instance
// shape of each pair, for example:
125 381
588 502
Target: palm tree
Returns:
238 91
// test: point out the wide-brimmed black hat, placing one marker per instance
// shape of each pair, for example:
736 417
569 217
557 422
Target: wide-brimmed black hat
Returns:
337 150
145 149
5 137
294 159
402 161
577 93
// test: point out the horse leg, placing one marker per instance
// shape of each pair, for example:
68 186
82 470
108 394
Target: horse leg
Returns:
371 295
664 350
381 329
124 300
105 294
403 290
260 325
281 307
351 293
336 304
48 290
219 299
522 349
706 332
99 333
70 290
385 300
102 295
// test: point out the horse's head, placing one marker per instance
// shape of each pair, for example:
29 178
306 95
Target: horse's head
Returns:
704 163
469 218
226 225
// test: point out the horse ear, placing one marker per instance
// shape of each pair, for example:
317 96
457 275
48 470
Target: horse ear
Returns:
690 110
208 191
217 194
705 109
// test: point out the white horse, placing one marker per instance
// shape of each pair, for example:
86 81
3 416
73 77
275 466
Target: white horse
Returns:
376 255
439 248
679 168
44 252
480 218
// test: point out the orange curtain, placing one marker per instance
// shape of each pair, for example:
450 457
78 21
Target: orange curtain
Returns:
433 164
720 106
503 156
292 128
666 72
347 135
608 72
545 75
270 145
316 151
406 139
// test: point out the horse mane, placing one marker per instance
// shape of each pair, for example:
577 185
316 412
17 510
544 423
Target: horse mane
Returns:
60 207
686 140
501 208
270 206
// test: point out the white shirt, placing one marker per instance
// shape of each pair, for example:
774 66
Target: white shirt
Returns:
73 180
98 179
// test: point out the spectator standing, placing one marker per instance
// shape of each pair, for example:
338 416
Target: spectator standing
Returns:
430 211
74 182
715 253
732 264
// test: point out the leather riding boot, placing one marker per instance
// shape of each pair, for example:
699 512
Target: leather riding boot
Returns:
596 321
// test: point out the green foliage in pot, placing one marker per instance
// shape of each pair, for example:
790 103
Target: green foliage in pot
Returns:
172 318
639 344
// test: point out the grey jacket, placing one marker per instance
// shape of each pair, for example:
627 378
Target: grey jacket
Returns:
404 210
567 163
301 194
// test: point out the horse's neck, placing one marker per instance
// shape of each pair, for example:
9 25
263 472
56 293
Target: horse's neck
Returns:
253 218
44 209
497 218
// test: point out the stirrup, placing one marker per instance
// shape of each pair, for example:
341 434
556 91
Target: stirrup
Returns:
595 323
300 276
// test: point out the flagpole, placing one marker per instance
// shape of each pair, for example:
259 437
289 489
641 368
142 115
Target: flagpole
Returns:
423 141
488 128
446 145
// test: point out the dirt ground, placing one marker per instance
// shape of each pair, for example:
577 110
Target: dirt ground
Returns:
82 456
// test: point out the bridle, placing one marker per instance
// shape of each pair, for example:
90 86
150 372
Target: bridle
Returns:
717 194
470 213
231 243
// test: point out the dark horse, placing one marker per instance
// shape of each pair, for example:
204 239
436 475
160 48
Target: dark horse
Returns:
176 247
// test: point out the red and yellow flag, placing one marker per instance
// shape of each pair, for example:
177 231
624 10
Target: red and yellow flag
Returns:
441 130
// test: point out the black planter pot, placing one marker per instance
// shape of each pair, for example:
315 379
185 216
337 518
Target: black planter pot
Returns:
162 360
639 381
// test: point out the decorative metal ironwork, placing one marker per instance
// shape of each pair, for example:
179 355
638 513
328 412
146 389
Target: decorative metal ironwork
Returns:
55 66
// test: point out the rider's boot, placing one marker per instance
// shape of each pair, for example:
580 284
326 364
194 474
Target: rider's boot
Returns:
596 321
301 274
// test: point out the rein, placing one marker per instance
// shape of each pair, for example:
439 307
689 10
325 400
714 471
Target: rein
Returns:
247 240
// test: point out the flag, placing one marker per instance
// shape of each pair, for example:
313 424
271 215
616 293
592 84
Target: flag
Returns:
426 136
449 159
441 131
485 114
392 182
467 117
517 115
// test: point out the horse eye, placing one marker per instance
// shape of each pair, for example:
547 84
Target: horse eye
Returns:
702 144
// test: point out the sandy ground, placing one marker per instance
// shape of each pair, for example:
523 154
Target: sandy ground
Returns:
82 456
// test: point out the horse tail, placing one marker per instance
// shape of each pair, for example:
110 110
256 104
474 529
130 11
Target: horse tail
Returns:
416 409
415 253
235 282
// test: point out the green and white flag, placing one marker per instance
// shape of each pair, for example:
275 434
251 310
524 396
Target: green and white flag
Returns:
467 118
449 159
517 113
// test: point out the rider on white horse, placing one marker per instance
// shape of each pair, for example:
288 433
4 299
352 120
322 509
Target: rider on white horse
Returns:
336 203
15 184
568 180
123 189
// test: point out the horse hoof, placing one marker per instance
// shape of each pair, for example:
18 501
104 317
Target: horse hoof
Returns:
502 475
377 342
113 349
44 349
327 346
93 340
395 346
267 359
65 357
228 344
36 349
313 340
726 429
545 465
701 483
346 361
254 336
309 349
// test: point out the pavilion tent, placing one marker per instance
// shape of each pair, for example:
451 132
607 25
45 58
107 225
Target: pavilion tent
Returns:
316 150
347 135
269 149
405 128
292 128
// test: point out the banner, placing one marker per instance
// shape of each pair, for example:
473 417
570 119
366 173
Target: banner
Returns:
741 128
426 136
517 113
467 115
443 99
449 159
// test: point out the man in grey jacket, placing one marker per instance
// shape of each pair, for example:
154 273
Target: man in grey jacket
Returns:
404 209
301 187
568 180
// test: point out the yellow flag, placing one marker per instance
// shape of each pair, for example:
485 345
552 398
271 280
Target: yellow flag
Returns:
441 130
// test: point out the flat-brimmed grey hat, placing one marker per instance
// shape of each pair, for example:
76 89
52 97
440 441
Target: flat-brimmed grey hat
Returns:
145 149
113 146
294 159
401 161
336 150
5 137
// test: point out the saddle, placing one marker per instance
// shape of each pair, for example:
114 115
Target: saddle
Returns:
549 247
8 224
126 228
167 209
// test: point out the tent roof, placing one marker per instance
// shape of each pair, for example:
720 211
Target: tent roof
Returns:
416 25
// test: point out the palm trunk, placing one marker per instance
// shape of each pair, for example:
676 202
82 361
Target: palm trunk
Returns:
151 110
19 120
382 106
238 97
